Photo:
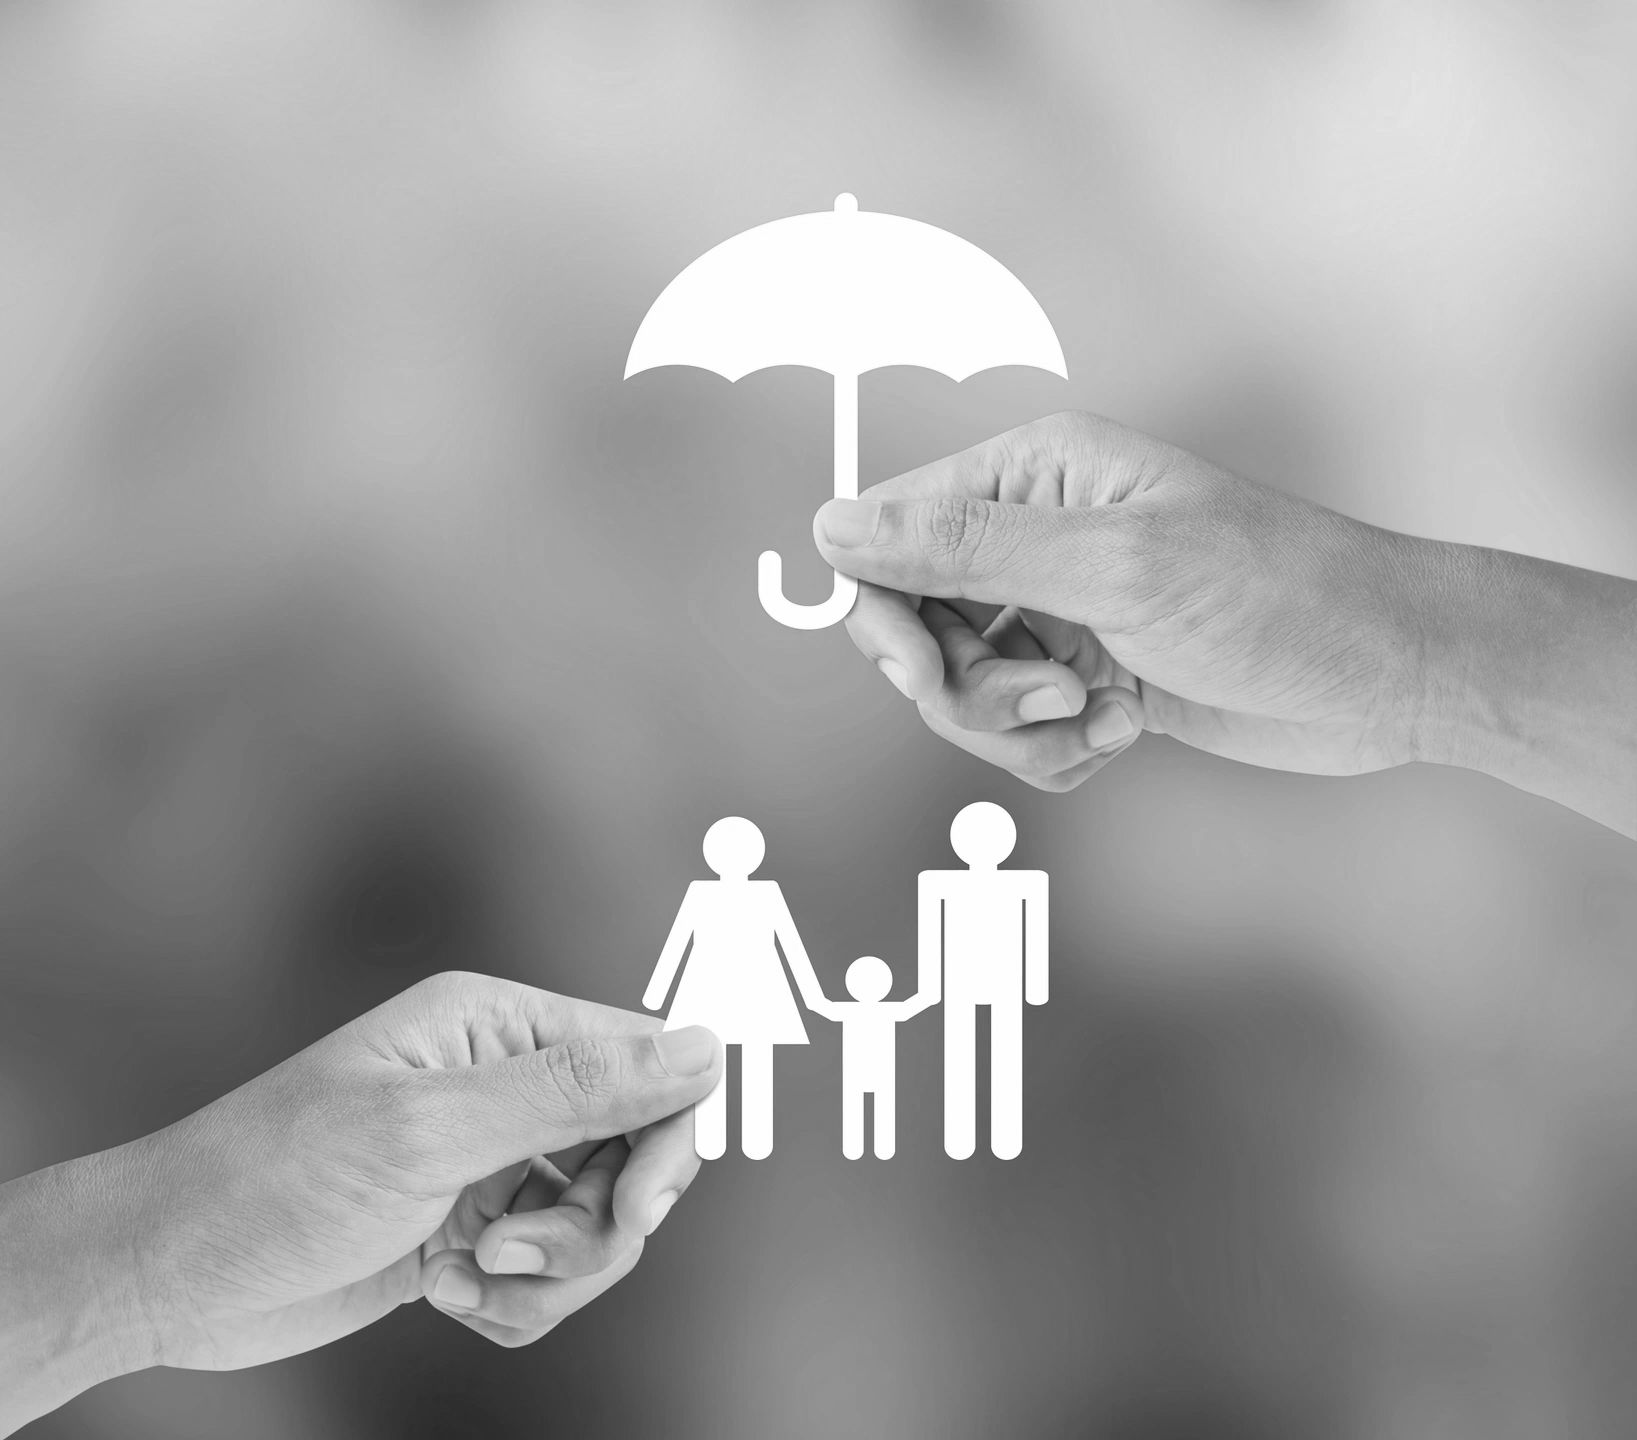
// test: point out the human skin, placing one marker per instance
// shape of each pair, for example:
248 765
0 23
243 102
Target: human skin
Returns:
403 1155
1052 593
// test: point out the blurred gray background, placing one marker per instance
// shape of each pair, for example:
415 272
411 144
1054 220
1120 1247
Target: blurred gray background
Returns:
359 622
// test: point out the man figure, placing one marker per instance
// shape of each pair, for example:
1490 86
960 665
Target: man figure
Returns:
983 942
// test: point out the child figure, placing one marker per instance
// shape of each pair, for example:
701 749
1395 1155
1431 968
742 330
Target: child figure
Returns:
868 1052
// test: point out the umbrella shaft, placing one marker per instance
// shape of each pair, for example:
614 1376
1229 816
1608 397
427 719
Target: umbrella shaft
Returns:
846 446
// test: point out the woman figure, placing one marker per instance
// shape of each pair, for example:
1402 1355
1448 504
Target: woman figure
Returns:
734 982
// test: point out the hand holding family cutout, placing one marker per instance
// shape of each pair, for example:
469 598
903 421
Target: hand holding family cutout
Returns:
981 942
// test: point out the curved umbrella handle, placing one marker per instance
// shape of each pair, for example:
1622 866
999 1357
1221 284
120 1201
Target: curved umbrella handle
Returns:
770 588
770 569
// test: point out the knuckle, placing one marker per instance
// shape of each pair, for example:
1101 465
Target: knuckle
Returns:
978 710
534 1310
1083 427
625 1261
449 986
1136 538
514 1339
402 1103
936 717
1039 755
583 1071
952 532
1059 784
934 713
589 1247
1059 435
602 1249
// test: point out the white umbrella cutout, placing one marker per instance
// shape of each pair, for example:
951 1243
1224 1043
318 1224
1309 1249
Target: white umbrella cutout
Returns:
845 291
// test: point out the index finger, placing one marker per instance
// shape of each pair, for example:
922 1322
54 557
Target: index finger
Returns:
887 627
465 1018
975 474
575 1234
555 1018
663 1164
1028 465
1073 458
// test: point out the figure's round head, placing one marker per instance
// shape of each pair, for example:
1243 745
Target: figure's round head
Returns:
982 834
868 978
734 848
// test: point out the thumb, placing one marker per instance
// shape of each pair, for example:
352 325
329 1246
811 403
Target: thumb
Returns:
583 1089
1072 563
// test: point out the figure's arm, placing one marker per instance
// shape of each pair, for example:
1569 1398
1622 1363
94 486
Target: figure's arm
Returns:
795 953
929 948
1034 937
670 958
908 1009
826 1008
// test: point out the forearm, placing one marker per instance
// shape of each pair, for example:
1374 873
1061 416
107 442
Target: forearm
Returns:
1530 675
71 1315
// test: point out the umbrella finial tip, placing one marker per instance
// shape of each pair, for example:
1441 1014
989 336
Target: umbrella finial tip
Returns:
846 203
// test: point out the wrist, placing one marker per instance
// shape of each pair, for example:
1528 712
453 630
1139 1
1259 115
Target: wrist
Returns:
71 1313
1529 674
1460 713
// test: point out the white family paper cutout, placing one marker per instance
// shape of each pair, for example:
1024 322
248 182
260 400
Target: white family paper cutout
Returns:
982 942
845 291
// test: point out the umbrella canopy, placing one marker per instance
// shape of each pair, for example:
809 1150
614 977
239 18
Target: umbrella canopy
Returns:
846 291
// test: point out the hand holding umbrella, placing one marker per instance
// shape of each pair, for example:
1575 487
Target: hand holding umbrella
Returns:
845 291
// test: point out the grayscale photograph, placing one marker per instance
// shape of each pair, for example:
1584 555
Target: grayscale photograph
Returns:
902 719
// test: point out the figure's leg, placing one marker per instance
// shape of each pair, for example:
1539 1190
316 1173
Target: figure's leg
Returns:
1006 1077
886 1117
960 1079
710 1120
756 1101
852 1121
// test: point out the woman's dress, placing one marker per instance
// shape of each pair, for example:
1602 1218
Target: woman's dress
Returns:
733 979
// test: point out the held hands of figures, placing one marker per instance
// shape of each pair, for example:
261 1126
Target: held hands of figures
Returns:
982 942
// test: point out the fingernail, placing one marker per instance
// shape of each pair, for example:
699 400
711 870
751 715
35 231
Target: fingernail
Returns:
686 1052
455 1288
661 1208
895 673
1046 703
518 1257
1109 724
850 523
